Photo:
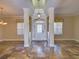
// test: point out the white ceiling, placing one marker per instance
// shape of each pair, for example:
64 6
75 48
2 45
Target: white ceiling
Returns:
62 7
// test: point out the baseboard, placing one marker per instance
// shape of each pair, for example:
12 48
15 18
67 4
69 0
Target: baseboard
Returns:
77 40
1 40
12 40
23 39
69 39
64 39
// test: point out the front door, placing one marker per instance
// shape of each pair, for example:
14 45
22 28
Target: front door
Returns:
39 30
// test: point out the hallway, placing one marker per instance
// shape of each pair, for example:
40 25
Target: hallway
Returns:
63 50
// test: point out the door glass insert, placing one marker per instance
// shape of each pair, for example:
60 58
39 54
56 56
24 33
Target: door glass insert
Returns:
39 28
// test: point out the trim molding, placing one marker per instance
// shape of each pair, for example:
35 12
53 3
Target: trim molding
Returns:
13 40
69 39
77 40
23 39
64 39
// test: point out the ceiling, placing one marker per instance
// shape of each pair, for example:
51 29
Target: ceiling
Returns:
62 7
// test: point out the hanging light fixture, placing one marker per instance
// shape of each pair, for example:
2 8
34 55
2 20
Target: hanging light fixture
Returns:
5 23
38 15
2 22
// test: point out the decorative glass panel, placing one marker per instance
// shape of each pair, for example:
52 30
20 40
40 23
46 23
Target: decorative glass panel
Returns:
39 28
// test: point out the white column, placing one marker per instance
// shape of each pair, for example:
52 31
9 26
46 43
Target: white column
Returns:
51 26
26 27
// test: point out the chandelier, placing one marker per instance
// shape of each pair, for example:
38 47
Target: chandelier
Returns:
2 22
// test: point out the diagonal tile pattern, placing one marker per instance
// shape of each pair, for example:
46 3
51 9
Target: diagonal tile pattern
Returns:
62 50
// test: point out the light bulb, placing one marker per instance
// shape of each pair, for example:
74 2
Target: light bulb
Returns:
39 15
4 23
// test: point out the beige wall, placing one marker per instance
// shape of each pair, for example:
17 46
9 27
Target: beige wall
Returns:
67 28
1 32
70 29
76 27
9 31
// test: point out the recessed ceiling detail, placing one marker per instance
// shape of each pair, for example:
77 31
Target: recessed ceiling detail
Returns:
38 3
62 7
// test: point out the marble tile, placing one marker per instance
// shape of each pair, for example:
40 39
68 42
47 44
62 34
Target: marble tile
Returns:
68 49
